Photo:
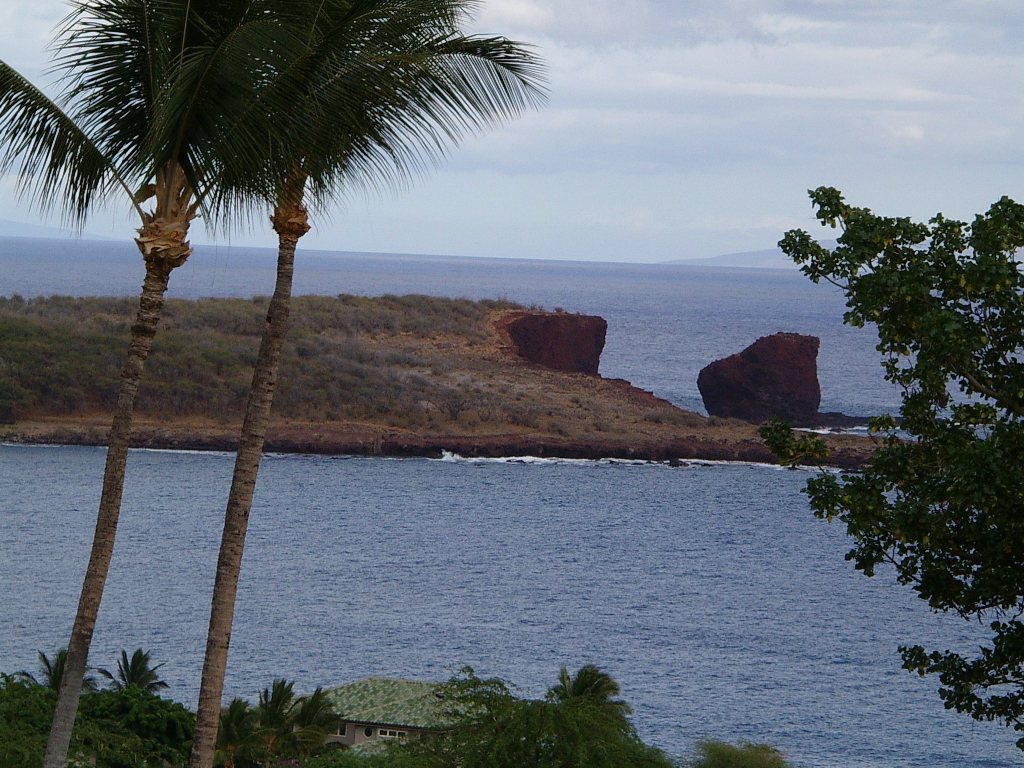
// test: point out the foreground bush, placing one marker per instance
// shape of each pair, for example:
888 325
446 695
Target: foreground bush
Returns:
129 728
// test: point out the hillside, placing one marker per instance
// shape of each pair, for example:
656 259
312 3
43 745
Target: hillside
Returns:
410 375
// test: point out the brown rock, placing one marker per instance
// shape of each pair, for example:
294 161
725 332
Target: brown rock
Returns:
558 340
775 376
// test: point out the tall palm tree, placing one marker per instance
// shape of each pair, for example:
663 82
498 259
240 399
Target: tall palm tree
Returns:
135 671
385 85
157 101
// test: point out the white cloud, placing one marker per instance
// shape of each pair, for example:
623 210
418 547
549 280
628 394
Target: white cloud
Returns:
674 123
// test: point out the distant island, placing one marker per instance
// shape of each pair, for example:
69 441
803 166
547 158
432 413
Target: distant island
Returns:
394 375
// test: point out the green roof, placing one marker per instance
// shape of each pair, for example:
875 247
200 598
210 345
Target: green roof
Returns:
390 701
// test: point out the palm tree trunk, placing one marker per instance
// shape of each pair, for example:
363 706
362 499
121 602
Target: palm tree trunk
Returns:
151 302
163 246
290 222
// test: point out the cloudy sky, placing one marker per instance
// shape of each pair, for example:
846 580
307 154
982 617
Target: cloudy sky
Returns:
691 128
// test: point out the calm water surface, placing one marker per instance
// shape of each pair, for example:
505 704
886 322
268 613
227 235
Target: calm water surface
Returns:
710 592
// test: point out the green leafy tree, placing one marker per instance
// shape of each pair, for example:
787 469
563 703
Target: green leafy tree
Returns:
135 671
131 727
382 86
790 450
281 725
942 501
158 103
26 709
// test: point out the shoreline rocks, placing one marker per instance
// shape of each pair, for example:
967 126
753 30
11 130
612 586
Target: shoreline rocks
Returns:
707 444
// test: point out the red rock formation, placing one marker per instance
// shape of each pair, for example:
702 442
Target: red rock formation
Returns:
558 340
776 375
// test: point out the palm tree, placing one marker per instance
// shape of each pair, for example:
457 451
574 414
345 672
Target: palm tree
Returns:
158 102
135 671
51 672
385 85
592 686
237 736
290 724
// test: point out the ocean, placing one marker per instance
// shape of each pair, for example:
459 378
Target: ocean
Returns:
709 591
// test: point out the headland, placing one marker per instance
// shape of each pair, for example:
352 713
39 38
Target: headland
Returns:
390 376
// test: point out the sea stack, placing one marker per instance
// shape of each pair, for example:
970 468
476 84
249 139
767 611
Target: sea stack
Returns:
775 376
558 340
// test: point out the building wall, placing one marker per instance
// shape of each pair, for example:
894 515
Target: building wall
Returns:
359 733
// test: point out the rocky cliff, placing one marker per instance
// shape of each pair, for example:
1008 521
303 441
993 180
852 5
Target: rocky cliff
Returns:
556 340
775 376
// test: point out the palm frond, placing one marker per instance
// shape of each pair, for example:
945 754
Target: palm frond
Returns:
382 92
56 162
218 79
112 56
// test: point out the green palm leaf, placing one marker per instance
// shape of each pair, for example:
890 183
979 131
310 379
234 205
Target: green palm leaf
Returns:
55 160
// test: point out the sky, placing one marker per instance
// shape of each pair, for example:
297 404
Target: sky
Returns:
683 129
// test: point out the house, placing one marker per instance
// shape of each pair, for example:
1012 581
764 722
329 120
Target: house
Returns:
386 708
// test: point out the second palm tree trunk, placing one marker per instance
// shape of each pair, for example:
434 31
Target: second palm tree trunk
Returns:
290 223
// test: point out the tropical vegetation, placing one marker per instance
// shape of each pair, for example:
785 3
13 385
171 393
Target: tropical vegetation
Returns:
280 726
124 726
381 85
137 671
718 754
51 672
941 500
581 723
157 102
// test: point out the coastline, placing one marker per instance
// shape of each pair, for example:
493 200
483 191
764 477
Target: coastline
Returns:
732 442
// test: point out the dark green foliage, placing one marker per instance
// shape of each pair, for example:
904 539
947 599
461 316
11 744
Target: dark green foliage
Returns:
574 727
946 507
119 729
281 726
25 713
61 356
132 727
237 739
790 450
717 754
592 686
395 757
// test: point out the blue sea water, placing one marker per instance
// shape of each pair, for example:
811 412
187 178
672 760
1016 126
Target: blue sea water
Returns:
709 591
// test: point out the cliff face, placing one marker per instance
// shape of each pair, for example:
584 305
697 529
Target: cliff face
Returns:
557 340
775 376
